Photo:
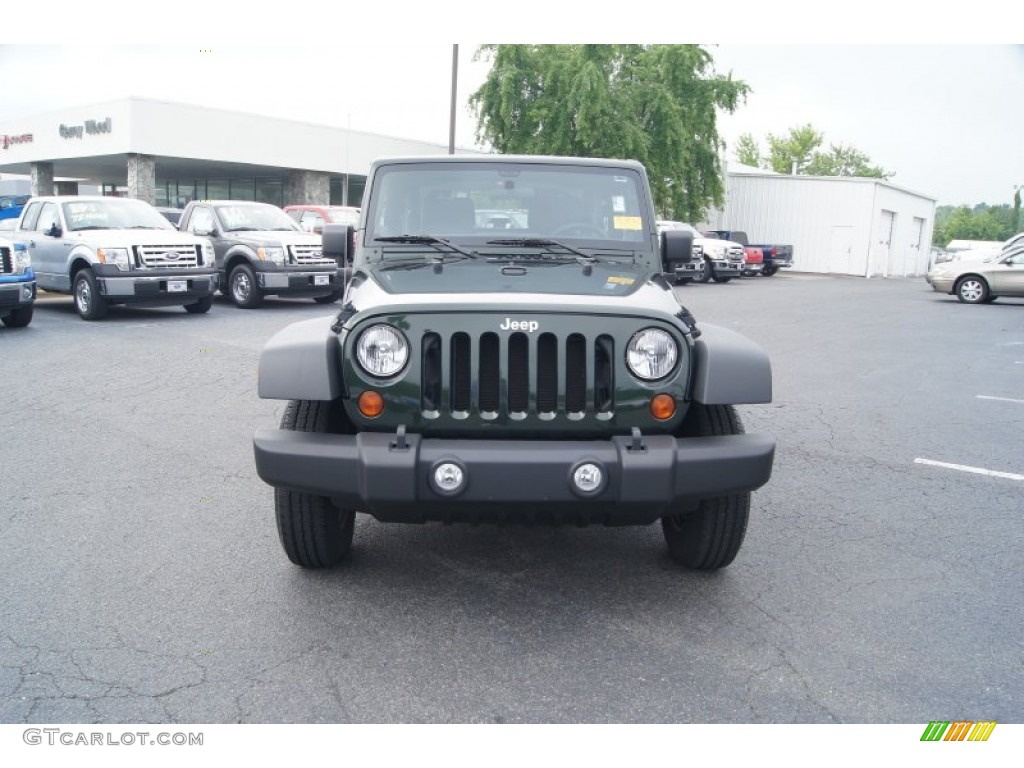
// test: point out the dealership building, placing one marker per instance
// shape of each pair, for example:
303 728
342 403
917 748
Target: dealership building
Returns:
168 154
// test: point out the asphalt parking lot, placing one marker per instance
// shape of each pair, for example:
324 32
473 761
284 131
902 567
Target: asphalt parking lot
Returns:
143 580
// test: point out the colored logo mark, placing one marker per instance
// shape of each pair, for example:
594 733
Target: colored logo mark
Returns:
960 730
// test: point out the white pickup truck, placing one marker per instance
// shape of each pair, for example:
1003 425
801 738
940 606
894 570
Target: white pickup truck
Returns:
110 250
720 260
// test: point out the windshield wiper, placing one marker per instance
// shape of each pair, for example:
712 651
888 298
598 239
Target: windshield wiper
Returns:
240 229
541 242
428 240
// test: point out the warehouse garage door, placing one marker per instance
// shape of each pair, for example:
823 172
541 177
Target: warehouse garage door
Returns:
840 252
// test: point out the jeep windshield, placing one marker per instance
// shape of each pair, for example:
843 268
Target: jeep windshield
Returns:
112 213
502 207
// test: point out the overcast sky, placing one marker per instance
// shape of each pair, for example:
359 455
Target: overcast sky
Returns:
946 120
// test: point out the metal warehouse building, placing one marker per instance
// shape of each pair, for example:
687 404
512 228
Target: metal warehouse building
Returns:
836 224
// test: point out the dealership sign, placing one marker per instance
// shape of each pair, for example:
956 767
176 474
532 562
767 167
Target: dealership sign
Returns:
6 141
91 127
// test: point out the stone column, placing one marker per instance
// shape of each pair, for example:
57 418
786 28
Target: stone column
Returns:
42 179
142 178
66 187
308 188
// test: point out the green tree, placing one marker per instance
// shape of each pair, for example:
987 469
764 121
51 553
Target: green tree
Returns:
656 104
1016 222
844 161
797 147
747 150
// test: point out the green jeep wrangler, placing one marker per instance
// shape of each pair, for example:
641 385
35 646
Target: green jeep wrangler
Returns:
509 351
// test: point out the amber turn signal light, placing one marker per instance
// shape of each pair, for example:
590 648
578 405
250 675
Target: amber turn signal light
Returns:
371 404
663 407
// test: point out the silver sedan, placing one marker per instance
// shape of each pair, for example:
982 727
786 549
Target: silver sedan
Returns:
981 282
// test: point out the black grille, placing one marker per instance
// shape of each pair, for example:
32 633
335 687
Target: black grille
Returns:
6 264
517 374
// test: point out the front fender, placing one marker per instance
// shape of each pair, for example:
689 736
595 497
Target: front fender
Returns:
729 368
302 362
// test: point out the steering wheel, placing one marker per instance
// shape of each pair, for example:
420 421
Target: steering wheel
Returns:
581 228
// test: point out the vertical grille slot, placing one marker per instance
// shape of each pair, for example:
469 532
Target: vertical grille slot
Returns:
547 373
6 260
431 371
604 373
490 373
518 373
575 373
462 372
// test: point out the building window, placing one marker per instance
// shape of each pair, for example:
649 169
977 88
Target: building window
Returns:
270 191
241 189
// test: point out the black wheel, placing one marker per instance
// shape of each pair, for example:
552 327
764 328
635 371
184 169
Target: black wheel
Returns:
769 271
200 307
18 318
705 274
329 298
89 304
709 537
313 531
718 279
683 280
243 289
972 289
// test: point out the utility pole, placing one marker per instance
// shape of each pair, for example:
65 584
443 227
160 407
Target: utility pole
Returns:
455 84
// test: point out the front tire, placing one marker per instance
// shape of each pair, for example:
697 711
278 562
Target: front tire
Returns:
769 271
709 537
89 304
718 279
243 288
705 274
18 318
200 307
314 532
972 290
329 298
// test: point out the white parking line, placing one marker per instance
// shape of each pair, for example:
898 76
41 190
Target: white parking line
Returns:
975 470
1001 399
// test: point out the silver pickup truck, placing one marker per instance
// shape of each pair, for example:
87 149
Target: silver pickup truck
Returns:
110 250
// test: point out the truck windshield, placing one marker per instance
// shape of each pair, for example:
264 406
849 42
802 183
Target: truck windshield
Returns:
113 213
489 202
253 217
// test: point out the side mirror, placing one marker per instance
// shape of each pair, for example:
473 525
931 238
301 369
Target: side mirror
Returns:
338 242
203 231
54 230
676 248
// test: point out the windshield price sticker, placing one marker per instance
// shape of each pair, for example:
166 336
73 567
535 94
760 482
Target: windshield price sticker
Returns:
627 222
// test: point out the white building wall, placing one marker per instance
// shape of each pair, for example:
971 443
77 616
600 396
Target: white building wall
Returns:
833 224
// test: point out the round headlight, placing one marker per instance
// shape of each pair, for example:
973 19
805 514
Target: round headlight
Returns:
382 350
651 354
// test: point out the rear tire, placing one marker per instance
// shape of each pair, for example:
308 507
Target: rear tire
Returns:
314 532
89 304
709 537
18 318
972 290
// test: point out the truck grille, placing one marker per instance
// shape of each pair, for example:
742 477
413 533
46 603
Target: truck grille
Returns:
517 375
308 254
736 253
6 261
167 256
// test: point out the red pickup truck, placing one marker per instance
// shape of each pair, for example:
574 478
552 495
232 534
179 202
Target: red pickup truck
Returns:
753 261
775 257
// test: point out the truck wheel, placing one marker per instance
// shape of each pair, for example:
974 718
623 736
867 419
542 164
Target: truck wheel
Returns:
329 298
18 318
89 304
200 307
313 531
769 271
243 289
683 280
709 537
705 274
718 279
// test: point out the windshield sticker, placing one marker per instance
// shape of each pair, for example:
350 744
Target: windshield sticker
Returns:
627 222
616 280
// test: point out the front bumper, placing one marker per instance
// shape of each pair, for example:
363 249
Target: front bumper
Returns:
154 287
16 291
388 476
941 284
752 270
302 281
725 268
